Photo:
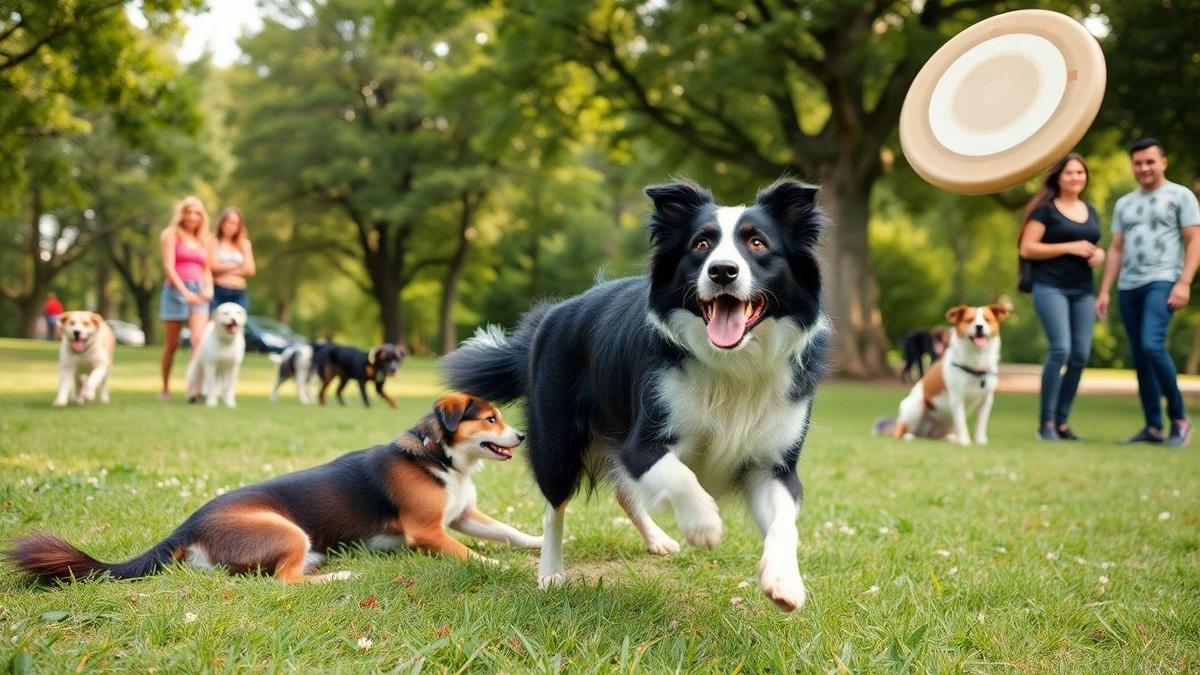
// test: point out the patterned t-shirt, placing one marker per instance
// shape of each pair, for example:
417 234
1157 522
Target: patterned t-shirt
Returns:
1153 223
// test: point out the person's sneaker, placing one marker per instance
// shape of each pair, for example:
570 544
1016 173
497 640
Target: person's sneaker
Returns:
1047 433
1065 433
1181 434
1146 435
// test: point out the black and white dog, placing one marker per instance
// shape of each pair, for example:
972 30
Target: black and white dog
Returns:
296 361
696 379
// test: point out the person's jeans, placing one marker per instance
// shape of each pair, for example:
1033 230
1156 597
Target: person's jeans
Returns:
223 294
1067 315
1146 316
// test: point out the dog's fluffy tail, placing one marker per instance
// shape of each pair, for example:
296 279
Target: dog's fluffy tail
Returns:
493 365
50 559
884 426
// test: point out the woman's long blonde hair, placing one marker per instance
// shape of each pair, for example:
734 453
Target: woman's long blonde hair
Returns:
223 216
177 217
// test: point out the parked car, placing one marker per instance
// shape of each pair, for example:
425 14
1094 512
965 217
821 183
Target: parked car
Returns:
264 334
127 333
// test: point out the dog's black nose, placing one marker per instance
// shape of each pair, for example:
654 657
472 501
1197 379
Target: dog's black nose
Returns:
520 438
723 272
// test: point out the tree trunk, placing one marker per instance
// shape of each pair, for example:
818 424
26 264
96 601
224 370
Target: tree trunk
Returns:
852 294
1193 360
29 309
145 312
449 340
105 304
391 314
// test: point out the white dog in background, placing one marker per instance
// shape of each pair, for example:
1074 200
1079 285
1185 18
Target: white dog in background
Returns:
295 361
85 357
213 371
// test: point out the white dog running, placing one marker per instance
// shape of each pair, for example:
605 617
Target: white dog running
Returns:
213 370
85 357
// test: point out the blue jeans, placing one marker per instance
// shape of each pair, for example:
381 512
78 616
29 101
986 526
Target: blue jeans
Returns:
1067 316
1146 316
224 294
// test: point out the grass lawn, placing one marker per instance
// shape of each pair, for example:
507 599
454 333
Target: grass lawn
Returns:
1018 556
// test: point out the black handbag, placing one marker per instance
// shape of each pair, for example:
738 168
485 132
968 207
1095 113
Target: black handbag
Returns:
1024 275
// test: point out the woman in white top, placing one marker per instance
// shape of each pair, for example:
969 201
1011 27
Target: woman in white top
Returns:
231 259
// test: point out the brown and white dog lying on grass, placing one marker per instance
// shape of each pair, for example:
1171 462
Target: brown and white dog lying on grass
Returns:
85 357
963 381
404 493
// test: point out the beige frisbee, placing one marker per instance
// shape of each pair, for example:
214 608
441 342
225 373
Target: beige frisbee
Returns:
1002 101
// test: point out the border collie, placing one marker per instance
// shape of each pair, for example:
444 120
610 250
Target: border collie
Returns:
693 380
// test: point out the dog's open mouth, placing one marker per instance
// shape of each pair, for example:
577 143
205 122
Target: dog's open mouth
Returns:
232 327
498 450
979 340
729 319
78 344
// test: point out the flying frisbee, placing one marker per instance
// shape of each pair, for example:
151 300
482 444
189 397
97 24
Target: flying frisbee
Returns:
1002 101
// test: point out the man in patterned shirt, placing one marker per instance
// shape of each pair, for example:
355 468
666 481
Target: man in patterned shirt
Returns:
1156 249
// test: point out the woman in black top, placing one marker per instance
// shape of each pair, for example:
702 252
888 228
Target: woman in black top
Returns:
1059 236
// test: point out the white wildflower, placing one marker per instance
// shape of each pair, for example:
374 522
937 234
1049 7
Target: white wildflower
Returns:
1165 515
365 642
190 617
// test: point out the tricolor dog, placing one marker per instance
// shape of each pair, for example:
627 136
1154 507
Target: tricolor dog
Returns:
404 493
296 361
213 371
963 382
84 357
694 380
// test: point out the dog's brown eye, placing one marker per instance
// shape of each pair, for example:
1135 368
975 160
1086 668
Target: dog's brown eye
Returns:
757 245
702 245
491 419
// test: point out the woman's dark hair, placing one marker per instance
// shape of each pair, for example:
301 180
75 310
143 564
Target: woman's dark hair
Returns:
1049 189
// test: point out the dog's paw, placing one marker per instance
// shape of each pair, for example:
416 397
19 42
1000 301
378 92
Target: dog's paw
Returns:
551 581
211 401
60 402
981 439
661 543
700 521
782 584
332 576
87 395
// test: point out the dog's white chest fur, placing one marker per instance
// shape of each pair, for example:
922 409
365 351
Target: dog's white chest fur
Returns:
460 493
738 412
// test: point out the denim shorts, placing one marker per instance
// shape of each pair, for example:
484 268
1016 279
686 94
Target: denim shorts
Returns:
222 294
172 306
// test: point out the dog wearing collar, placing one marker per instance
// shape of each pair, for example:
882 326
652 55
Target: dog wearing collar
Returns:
348 363
963 381
404 493
84 358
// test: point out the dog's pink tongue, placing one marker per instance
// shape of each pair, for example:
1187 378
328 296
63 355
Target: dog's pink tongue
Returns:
728 323
979 340
77 345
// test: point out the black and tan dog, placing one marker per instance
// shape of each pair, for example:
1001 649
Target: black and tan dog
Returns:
349 363
404 493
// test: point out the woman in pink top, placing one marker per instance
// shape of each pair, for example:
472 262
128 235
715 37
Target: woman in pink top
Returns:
189 283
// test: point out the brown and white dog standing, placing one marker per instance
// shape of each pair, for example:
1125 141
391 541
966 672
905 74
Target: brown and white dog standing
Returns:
404 493
85 357
963 381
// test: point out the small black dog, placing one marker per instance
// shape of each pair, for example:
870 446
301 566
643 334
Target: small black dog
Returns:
919 343
349 363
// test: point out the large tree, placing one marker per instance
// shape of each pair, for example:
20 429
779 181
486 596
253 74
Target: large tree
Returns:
63 67
755 91
338 117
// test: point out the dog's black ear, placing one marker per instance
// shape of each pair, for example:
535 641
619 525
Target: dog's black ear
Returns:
675 204
794 205
451 409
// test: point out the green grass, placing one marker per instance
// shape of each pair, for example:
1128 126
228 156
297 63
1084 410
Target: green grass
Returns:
1017 556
